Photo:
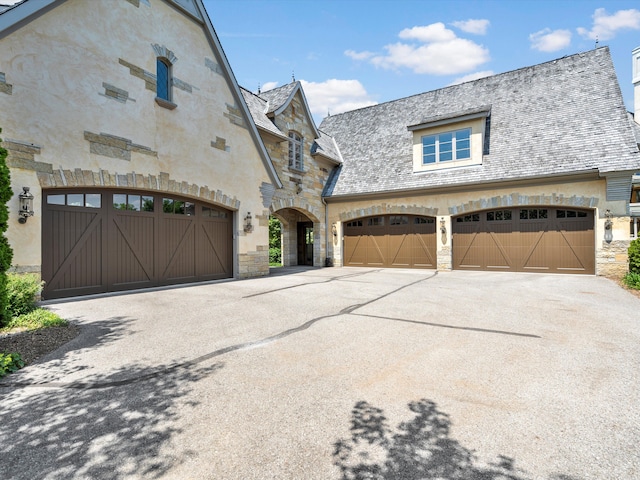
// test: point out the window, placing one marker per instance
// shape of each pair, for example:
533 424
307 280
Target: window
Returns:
133 203
178 207
446 147
499 216
295 151
533 214
474 217
88 200
163 79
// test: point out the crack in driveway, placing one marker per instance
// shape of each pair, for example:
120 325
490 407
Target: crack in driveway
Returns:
79 385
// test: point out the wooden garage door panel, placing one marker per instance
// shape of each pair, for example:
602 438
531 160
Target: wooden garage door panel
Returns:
214 252
105 240
74 265
177 249
131 250
541 243
400 241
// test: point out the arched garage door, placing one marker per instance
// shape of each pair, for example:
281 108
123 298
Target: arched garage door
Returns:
401 241
104 241
532 239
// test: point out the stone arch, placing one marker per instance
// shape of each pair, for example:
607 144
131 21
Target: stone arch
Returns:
516 199
162 183
298 204
386 209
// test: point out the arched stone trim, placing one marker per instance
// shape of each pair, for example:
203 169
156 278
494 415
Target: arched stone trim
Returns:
517 200
385 209
163 183
296 203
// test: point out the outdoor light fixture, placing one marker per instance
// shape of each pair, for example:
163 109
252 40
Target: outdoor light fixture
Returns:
248 227
443 230
608 227
334 230
26 205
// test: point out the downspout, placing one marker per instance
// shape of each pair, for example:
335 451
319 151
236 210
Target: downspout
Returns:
327 260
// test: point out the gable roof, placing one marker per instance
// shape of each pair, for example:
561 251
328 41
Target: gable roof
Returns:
24 12
266 105
279 98
562 117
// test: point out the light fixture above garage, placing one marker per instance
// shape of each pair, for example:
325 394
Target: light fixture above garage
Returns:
26 205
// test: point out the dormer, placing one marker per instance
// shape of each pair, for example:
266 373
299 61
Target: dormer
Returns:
449 141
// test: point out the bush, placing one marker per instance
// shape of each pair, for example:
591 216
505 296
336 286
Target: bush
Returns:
10 362
634 256
632 280
6 253
22 291
38 318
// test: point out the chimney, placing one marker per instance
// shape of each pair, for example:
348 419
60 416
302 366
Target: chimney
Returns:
636 84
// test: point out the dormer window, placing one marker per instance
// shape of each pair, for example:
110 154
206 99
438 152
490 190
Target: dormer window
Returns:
296 157
450 141
446 147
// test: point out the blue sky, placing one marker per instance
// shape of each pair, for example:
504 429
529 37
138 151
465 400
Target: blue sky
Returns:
353 53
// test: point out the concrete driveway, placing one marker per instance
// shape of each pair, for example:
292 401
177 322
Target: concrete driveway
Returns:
337 373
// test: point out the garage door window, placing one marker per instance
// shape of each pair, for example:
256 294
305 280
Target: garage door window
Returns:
421 220
90 200
499 216
178 207
399 220
133 203
534 214
474 217
570 214
376 222
213 213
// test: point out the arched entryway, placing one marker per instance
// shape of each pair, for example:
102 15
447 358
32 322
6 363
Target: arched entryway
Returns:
300 244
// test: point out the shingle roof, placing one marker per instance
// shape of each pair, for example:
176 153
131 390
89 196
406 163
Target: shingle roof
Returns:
556 118
326 146
278 96
257 108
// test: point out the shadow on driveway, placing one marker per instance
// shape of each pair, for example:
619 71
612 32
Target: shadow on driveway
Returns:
418 449
100 428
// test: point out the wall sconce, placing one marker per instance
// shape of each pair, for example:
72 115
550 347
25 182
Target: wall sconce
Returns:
334 230
299 189
608 226
443 230
248 227
26 205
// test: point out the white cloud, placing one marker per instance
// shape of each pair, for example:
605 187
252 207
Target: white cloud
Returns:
472 76
359 55
265 87
550 41
436 32
429 49
475 26
605 26
335 96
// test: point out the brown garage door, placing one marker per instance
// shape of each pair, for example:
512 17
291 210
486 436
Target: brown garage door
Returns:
542 239
104 241
401 241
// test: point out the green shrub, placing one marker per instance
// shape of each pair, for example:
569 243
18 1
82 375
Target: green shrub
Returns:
9 363
634 256
38 318
6 253
632 280
22 290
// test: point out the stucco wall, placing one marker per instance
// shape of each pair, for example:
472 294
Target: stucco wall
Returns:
611 258
82 105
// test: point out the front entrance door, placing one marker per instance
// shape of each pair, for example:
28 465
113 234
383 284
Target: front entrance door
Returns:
305 243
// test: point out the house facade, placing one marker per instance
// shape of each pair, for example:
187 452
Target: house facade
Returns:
124 121
149 165
529 170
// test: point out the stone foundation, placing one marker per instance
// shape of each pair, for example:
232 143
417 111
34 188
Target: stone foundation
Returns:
254 264
612 258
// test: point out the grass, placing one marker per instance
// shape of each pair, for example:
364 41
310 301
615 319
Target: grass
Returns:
36 319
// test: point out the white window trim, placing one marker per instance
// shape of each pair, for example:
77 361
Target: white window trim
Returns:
476 124
297 145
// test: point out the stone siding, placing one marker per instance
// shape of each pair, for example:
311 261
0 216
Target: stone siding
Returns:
254 263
